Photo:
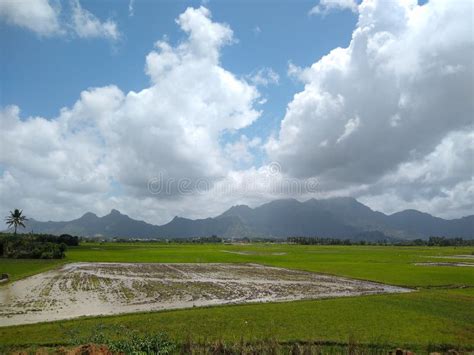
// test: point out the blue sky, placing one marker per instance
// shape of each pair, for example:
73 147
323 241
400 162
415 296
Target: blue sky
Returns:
97 100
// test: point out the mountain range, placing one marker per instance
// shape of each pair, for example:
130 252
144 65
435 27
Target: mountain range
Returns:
341 217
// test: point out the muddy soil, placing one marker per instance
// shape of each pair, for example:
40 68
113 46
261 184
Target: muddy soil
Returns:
92 289
466 256
254 253
446 264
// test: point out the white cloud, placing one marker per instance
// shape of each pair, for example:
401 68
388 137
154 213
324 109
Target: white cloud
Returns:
49 167
171 129
87 25
38 16
44 18
264 77
440 182
242 149
297 73
326 6
349 128
407 76
131 10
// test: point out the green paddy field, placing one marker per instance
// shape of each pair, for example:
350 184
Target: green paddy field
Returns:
438 315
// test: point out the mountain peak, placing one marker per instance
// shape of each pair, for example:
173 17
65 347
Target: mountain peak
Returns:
239 208
114 212
89 215
283 202
343 199
411 212
241 211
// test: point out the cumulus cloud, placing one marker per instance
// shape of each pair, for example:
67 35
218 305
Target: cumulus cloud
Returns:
389 99
44 18
170 129
387 120
264 77
326 6
48 166
436 182
350 127
87 25
242 150
38 16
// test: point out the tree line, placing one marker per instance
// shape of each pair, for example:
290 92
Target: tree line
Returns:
35 246
431 241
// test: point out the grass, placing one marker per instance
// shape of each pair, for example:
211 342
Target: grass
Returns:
21 268
440 312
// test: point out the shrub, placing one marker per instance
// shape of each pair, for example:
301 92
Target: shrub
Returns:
30 247
63 238
138 344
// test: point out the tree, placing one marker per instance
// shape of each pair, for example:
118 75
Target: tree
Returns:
15 219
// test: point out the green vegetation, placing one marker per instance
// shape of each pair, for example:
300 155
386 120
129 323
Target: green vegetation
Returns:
378 238
15 219
135 344
439 315
21 268
31 246
35 246
161 344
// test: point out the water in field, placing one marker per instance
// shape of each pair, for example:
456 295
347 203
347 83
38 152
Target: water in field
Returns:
91 289
446 264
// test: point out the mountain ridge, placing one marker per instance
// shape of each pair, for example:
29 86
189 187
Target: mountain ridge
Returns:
340 217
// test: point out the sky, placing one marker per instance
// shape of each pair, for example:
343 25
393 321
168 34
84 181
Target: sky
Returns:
165 108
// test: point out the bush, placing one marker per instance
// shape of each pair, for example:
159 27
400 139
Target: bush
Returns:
137 344
68 239
30 247
63 238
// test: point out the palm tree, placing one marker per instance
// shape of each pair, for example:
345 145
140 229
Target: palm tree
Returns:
15 219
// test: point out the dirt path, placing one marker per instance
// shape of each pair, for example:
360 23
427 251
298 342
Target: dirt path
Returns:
92 289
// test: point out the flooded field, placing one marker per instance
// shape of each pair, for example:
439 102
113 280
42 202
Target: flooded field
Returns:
467 257
446 264
254 253
87 289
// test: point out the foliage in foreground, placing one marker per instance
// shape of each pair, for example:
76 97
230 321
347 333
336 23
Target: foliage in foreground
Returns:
137 344
161 344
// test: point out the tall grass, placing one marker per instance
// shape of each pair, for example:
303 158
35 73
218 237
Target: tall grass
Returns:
161 344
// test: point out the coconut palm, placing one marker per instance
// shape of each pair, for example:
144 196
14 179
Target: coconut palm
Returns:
15 219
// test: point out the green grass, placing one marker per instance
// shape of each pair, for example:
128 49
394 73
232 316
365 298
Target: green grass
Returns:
441 311
20 268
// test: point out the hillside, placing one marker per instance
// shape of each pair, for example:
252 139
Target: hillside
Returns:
342 217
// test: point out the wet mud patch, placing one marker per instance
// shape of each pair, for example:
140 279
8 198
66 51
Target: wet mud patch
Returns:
446 264
465 257
254 253
93 289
